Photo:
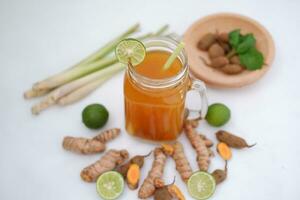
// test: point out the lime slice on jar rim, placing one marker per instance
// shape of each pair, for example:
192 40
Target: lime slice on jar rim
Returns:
201 185
130 50
110 185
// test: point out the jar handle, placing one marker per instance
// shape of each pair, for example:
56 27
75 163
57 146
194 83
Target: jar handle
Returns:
199 87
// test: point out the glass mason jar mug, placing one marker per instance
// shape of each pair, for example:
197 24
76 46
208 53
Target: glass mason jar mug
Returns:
155 98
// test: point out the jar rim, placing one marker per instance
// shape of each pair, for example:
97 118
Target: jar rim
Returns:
170 44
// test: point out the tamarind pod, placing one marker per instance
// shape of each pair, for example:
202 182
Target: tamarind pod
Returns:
206 41
232 140
215 51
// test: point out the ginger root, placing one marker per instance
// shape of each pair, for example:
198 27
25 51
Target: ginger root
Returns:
182 164
88 146
203 158
133 176
107 162
147 189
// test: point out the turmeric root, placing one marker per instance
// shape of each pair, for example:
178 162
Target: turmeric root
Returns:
220 175
147 189
83 145
107 162
224 151
198 144
133 176
108 135
182 164
232 140
88 146
208 142
139 160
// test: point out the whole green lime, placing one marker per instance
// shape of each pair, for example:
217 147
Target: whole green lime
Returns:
218 114
95 116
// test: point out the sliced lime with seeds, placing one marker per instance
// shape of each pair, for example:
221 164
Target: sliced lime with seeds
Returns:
201 185
110 185
130 50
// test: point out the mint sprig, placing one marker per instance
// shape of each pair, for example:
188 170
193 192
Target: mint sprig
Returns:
244 47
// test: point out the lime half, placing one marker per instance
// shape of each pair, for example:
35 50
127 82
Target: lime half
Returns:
110 185
201 185
130 50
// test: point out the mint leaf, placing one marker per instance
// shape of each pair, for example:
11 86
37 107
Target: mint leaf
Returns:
252 59
234 37
247 42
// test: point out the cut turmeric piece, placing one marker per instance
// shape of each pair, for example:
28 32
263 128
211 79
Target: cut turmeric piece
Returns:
224 151
82 145
176 192
167 149
133 176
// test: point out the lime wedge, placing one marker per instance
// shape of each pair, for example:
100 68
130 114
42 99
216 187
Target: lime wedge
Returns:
201 185
110 185
130 50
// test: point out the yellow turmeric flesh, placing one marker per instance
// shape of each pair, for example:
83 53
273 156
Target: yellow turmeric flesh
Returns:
107 162
133 176
176 192
224 151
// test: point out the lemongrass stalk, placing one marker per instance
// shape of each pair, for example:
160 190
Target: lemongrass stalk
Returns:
162 30
105 50
29 94
53 97
174 55
109 47
145 36
72 74
85 90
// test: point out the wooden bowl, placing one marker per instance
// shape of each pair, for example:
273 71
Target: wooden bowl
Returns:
226 22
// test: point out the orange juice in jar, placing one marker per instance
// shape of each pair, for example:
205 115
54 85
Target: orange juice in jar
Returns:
154 97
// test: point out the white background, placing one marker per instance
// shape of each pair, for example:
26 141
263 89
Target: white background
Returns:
39 38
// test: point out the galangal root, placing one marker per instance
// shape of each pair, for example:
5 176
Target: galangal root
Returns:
147 189
109 161
203 155
88 146
232 140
